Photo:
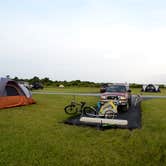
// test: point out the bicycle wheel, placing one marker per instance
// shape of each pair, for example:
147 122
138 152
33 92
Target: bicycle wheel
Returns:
90 111
71 109
110 114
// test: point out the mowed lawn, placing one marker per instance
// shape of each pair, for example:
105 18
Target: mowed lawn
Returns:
138 91
95 90
35 135
70 89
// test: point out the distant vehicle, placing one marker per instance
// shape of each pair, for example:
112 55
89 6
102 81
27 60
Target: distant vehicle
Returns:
37 85
121 92
26 84
150 88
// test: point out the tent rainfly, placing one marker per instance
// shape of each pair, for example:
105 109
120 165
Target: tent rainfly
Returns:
150 88
13 94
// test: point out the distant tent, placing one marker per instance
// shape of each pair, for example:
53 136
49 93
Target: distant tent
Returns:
150 88
61 86
13 94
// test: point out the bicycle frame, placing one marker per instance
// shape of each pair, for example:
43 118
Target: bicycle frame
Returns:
81 105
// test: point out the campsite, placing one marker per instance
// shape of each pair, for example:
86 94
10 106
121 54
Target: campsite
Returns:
82 83
37 134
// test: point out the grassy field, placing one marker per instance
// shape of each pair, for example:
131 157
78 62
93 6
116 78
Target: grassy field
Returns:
71 89
95 90
137 91
35 135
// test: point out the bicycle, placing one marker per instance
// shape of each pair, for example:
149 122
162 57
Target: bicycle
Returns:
74 108
108 109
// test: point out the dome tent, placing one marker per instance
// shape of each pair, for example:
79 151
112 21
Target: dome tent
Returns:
150 88
13 94
61 86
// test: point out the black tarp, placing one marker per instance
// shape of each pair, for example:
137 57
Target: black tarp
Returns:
133 116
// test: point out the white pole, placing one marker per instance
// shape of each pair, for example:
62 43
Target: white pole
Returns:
104 121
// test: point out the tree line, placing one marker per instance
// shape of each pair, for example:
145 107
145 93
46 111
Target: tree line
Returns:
48 82
77 83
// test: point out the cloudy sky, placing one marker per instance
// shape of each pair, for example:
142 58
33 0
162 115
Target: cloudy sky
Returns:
95 40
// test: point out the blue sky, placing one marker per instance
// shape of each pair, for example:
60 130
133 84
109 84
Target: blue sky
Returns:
103 41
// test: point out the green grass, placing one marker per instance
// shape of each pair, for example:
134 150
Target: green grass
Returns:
34 135
71 89
94 90
138 91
